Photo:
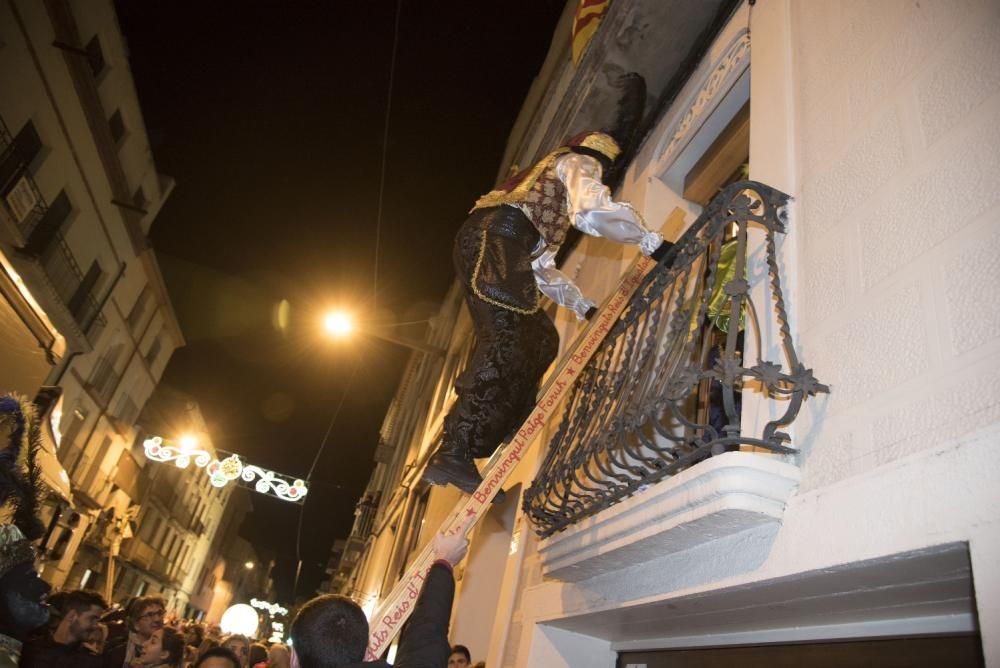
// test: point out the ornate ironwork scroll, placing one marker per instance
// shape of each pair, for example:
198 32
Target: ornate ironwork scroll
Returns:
664 390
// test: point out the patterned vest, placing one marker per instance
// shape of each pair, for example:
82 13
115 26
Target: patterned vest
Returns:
545 206
541 196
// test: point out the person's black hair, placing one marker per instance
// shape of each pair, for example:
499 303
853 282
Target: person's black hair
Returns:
173 642
258 653
80 600
461 649
221 652
328 631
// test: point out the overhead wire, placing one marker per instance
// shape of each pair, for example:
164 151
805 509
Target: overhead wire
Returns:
385 150
312 468
378 234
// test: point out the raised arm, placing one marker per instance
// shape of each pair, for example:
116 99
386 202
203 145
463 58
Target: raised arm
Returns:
423 642
592 211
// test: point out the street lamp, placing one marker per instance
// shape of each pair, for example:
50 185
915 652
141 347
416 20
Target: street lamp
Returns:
249 565
340 324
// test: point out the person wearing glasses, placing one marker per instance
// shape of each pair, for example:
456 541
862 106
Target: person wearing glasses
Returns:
144 617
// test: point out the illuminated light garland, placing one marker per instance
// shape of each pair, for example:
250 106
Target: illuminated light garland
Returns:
158 451
273 609
222 472
277 631
269 483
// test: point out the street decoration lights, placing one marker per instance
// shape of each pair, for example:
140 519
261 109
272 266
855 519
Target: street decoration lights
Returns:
277 631
222 472
273 609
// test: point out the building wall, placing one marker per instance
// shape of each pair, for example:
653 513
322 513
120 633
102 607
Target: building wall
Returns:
181 515
113 362
222 579
879 119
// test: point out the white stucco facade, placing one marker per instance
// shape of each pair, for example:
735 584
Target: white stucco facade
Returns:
82 195
879 119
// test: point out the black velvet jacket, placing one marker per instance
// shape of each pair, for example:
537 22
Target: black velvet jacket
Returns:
423 642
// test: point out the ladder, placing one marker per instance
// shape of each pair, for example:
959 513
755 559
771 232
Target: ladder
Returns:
396 608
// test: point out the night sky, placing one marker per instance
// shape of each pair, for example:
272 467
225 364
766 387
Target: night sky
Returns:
270 115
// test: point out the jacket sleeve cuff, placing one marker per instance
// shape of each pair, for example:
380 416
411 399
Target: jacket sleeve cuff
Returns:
650 242
444 562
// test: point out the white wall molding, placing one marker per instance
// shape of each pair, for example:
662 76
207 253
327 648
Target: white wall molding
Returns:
884 628
724 72
721 496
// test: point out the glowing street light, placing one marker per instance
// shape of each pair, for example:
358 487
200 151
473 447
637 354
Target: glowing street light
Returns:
338 323
188 442
249 565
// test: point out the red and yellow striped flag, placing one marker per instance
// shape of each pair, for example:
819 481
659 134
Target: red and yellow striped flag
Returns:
588 17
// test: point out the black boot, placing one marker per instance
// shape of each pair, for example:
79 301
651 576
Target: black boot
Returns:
453 465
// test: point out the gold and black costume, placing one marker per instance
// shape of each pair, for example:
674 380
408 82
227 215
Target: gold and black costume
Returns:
504 255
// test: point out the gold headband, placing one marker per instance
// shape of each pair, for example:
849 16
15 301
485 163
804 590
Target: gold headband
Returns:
603 144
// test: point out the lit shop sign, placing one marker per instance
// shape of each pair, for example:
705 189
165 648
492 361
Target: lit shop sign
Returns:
221 473
273 609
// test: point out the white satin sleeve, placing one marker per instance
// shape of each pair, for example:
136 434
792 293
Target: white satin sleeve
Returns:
591 209
557 286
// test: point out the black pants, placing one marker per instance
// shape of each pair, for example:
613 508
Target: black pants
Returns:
514 348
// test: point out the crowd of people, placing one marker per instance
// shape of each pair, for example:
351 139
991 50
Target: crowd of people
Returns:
83 632
330 631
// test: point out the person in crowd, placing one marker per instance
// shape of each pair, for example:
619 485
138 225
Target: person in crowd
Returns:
258 655
213 632
163 649
459 657
331 631
216 657
278 656
117 625
206 644
144 617
74 617
238 645
22 592
479 664
97 638
194 635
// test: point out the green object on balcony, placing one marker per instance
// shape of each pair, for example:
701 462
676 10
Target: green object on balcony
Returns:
718 305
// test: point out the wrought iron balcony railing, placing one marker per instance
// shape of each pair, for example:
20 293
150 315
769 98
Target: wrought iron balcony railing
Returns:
66 277
664 390
20 194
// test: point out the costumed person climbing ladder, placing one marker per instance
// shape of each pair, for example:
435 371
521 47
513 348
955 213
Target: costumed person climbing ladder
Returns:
504 254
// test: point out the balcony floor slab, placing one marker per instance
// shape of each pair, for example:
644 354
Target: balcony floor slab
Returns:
718 497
